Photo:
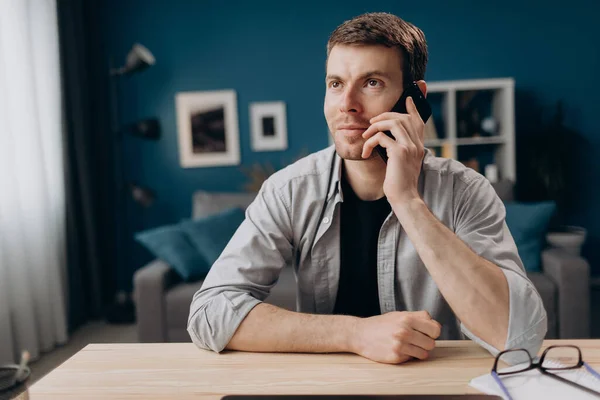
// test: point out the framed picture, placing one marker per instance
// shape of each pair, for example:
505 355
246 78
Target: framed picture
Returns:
207 124
268 126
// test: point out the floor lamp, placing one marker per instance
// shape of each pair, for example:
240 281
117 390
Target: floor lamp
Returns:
138 59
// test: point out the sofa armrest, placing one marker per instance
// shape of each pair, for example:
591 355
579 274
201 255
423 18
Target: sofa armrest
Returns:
572 277
150 284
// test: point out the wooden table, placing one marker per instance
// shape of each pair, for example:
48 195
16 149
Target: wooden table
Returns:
181 371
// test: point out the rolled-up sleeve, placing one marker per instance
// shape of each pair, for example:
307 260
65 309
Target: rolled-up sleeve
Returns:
245 272
480 223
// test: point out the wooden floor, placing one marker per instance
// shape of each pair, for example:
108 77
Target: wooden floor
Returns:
93 332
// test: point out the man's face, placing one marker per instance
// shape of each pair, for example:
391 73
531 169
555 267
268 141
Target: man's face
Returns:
361 83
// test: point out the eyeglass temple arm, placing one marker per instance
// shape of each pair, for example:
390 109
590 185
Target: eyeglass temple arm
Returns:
591 370
574 384
499 382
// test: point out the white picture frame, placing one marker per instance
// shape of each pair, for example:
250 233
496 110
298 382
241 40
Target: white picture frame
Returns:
268 126
208 128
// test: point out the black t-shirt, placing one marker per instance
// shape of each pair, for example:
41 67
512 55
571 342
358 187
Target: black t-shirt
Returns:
360 224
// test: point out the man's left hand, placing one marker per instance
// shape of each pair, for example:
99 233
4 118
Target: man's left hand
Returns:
405 153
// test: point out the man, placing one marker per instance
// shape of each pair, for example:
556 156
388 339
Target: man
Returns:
387 257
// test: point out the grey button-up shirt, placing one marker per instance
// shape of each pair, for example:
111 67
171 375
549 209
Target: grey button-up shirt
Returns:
282 229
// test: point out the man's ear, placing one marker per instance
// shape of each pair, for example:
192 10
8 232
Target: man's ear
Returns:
423 86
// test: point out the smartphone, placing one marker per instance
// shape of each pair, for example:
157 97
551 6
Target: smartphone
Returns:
421 103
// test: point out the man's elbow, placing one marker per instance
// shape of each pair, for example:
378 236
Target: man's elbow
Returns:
202 334
203 331
528 322
214 321
531 340
534 338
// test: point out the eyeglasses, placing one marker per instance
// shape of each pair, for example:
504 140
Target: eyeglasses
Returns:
554 358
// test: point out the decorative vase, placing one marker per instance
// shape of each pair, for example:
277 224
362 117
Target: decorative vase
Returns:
570 239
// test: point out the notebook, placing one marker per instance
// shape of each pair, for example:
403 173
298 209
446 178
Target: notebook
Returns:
534 385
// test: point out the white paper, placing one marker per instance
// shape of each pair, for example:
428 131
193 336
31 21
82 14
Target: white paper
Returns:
535 385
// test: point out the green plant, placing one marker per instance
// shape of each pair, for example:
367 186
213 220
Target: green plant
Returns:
550 163
258 173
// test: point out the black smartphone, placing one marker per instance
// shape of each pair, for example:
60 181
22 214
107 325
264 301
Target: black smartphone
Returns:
421 103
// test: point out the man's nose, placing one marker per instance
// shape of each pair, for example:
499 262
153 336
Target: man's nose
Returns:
351 101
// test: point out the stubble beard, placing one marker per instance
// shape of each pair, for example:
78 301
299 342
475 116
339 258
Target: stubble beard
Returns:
350 148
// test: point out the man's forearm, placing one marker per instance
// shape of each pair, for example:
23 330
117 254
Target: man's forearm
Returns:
475 288
271 329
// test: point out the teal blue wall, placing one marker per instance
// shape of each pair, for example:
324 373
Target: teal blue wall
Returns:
275 50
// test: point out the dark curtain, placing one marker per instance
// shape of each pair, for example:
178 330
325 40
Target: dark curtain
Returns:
88 162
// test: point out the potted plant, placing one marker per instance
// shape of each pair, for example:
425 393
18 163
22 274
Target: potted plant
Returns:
549 170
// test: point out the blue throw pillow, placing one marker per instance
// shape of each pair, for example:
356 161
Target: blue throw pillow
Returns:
171 244
211 234
528 223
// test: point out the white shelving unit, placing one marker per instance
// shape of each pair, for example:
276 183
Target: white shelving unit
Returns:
502 109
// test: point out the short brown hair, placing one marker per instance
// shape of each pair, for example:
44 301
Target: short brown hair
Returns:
388 30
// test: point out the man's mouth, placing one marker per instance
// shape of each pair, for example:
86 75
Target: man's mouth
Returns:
352 129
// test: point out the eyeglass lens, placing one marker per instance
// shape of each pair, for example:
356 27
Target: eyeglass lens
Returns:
514 361
558 358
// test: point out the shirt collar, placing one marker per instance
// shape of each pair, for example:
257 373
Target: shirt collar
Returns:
335 186
336 176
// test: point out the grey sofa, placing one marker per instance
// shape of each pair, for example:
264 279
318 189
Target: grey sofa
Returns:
163 300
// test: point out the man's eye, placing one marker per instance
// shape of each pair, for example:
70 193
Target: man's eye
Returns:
373 82
334 84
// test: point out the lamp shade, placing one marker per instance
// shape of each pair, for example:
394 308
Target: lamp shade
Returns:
138 59
142 195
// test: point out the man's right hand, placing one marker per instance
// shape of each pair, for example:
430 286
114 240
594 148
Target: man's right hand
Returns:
396 337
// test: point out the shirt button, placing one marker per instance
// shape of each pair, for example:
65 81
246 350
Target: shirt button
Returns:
326 220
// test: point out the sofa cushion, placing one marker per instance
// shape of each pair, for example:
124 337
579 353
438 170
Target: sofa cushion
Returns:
528 223
207 203
178 301
211 234
171 244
